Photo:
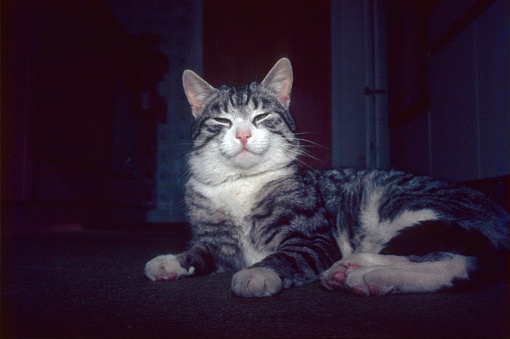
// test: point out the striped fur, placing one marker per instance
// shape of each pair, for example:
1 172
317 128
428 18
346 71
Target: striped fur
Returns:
255 212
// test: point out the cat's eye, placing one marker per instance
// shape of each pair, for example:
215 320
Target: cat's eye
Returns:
223 121
260 117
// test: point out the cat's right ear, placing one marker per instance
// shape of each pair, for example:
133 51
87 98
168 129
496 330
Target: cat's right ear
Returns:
197 91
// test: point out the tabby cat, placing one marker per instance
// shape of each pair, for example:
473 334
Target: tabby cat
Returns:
253 210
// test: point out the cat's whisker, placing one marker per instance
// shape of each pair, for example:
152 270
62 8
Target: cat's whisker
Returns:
309 143
304 153
297 153
185 174
303 163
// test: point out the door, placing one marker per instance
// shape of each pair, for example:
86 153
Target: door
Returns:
360 135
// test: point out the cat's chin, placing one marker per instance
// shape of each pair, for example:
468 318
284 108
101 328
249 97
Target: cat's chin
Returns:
252 162
246 160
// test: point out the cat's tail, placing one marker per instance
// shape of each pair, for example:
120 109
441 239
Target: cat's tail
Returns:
425 241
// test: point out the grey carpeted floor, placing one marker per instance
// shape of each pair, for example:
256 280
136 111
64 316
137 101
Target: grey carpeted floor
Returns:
89 283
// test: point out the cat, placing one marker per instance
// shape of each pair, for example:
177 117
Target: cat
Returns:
255 211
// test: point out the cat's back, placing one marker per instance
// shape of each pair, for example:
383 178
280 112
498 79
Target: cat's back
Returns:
388 195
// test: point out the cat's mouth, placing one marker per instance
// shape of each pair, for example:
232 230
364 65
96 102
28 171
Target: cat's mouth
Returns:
245 153
246 157
246 150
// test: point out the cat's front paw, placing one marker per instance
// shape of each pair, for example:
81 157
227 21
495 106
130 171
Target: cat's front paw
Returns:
256 282
166 267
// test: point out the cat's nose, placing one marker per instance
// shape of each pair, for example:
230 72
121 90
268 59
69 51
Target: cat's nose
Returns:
243 135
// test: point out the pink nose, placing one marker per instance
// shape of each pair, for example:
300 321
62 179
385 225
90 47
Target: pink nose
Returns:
243 135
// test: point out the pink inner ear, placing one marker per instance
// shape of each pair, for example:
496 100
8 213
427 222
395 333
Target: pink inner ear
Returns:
197 90
196 110
284 99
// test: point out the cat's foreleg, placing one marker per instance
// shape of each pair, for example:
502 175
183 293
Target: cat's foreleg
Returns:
256 282
197 260
369 274
292 265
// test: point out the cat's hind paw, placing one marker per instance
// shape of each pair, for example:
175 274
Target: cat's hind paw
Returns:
350 278
334 277
363 274
166 267
256 282
360 274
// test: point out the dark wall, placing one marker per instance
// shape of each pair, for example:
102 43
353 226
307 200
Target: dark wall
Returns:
449 81
449 91
76 132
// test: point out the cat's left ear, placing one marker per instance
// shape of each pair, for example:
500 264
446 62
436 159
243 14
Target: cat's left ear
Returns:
279 80
197 91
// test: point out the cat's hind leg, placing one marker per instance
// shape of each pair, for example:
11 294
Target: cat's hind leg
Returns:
369 274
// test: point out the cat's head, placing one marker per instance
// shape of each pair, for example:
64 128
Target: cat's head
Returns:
241 131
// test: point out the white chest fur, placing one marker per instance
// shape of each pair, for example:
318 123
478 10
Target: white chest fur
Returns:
236 199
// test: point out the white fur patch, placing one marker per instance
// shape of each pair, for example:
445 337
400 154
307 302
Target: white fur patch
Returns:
413 277
404 220
373 259
386 274
163 265
409 218
251 255
256 282
377 232
236 197
369 217
344 244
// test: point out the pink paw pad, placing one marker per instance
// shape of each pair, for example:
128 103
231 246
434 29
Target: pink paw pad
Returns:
352 266
339 276
334 283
